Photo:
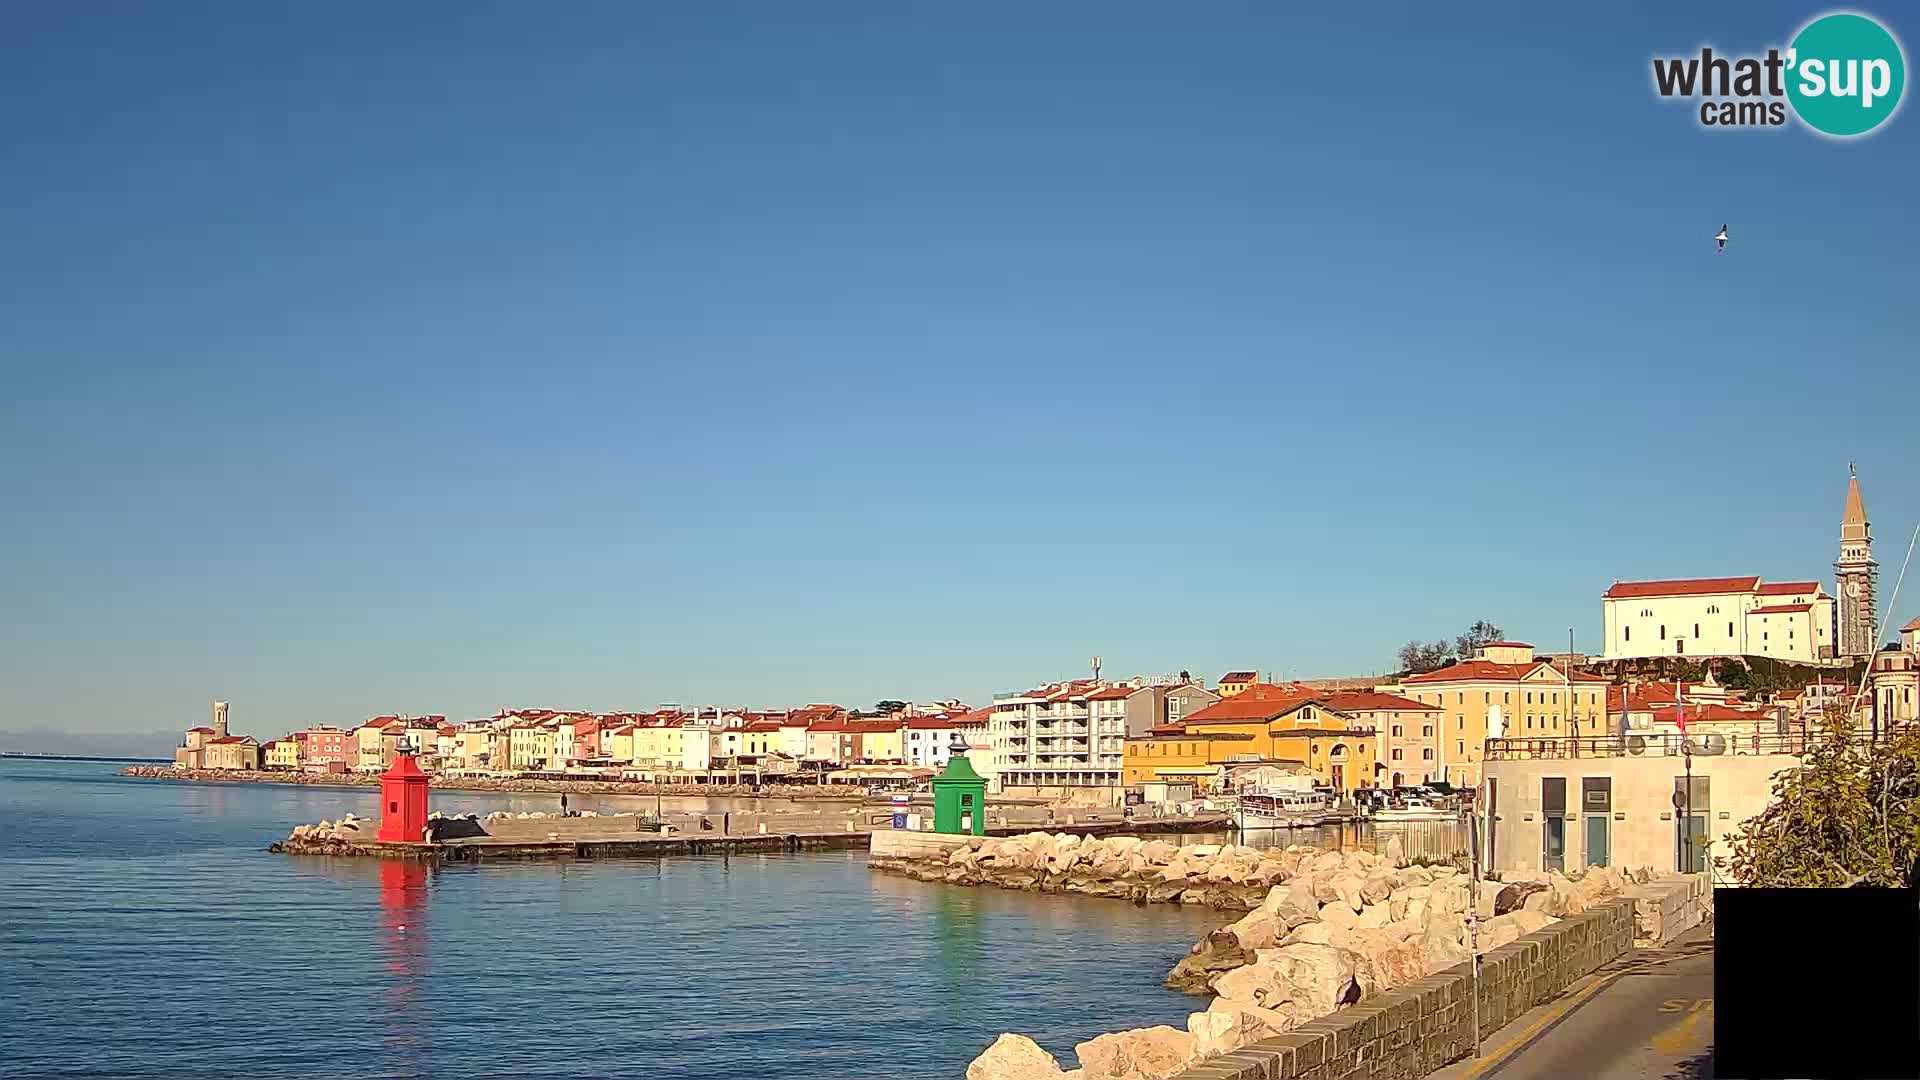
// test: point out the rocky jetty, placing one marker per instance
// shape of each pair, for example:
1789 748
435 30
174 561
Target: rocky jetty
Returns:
1330 928
1122 867
348 836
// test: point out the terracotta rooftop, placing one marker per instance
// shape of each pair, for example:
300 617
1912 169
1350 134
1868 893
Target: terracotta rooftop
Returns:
1623 590
1489 671
1261 701
1781 609
1788 588
1367 700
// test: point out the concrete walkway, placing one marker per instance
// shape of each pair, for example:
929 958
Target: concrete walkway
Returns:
1647 1016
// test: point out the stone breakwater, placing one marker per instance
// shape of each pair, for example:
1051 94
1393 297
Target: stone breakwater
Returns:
1323 930
554 787
1121 867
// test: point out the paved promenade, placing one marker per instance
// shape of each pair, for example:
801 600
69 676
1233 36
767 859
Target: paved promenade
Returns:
1647 1016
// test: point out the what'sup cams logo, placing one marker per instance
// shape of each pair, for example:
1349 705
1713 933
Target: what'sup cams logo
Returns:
1842 77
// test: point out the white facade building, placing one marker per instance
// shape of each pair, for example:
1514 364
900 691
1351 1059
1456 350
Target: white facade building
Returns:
1059 736
1739 616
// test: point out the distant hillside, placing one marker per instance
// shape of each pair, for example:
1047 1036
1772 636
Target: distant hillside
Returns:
152 744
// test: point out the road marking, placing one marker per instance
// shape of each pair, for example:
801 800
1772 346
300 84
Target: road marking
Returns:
1686 1004
1684 1036
1557 1010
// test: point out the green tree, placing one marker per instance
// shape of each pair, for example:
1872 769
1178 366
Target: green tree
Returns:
1849 816
887 707
1420 656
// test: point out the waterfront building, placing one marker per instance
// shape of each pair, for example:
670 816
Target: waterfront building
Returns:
1562 803
325 750
1408 733
282 754
929 739
1855 575
1236 682
238 752
1705 617
617 744
1044 741
529 746
370 750
1156 703
191 753
877 742
1504 690
1290 724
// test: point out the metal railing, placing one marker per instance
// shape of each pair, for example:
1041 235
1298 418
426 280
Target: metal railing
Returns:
1706 744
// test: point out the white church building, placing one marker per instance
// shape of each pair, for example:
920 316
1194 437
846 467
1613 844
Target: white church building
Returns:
1737 616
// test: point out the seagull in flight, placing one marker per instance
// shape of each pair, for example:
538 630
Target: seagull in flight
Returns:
1720 240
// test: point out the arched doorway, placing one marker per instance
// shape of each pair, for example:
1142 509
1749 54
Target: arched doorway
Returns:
1337 766
1396 780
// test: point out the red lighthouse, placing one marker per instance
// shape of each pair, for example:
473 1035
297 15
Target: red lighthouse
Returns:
403 801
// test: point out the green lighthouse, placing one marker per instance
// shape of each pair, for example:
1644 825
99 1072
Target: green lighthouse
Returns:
959 795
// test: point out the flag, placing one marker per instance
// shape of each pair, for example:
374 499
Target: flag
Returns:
1680 706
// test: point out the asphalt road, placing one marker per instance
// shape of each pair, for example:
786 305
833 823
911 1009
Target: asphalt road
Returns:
1647 1016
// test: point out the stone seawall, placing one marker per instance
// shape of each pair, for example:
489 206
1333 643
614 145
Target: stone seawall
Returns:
1119 867
1411 1031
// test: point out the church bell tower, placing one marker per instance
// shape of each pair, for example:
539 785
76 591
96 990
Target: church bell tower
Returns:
1854 573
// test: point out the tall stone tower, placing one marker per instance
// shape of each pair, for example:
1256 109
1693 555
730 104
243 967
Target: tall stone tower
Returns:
219 719
1854 575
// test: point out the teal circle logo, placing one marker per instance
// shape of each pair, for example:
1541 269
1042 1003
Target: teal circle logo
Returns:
1846 73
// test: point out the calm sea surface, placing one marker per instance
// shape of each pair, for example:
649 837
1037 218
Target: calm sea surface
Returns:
145 931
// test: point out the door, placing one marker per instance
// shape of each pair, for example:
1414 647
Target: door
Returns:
1680 645
1597 825
1339 778
1553 854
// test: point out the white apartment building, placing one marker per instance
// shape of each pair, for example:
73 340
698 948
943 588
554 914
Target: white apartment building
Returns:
1063 735
1737 616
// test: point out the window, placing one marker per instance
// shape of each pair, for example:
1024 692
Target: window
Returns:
1696 629
1506 698
1712 609
1427 754
1462 745
1396 731
1427 731
1460 722
1629 633
1646 613
1529 722
1729 629
1663 631
1396 753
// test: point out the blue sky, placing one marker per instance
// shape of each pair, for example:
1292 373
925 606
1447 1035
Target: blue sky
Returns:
452 356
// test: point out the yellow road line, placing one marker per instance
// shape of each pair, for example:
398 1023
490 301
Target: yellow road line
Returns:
1553 1012
1683 1036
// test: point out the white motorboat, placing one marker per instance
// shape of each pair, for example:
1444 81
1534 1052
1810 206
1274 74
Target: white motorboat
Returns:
1264 809
1416 810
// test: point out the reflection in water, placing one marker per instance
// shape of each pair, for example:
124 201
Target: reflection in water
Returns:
956 933
403 947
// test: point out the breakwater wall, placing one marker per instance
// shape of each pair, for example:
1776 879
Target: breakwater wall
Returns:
1120 867
1411 1031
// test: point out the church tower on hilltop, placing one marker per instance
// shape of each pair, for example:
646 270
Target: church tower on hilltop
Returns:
1854 575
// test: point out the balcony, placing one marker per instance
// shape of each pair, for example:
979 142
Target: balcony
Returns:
1705 744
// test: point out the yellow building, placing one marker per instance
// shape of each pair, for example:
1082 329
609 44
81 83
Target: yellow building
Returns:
662 746
283 754
1504 692
617 744
1260 724
879 741
529 746
1234 683
370 749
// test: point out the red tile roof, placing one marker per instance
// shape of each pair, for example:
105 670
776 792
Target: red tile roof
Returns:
1489 671
1261 701
1622 590
1781 609
764 725
226 739
873 727
1914 625
1369 700
1788 588
934 723
202 730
